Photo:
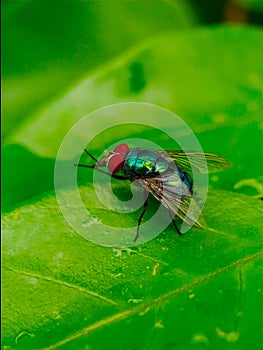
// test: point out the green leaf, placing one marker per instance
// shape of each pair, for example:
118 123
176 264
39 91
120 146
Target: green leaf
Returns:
48 47
208 77
211 77
200 290
255 5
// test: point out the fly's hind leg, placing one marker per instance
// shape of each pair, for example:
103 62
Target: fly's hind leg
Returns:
145 205
174 223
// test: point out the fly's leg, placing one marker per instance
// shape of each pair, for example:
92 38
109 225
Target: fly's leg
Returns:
145 205
118 177
90 155
174 223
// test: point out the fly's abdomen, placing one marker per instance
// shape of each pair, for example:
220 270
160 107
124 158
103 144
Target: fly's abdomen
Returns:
140 162
177 184
186 179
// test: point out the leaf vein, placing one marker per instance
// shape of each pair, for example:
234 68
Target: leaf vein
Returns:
60 282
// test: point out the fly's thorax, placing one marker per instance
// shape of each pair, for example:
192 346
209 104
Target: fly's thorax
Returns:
140 162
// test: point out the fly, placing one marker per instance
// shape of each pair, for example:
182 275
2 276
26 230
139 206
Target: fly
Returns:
164 174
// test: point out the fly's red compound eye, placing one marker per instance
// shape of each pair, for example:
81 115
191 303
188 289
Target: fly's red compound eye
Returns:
122 148
115 163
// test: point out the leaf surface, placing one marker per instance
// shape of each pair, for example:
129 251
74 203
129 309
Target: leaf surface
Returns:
73 293
202 290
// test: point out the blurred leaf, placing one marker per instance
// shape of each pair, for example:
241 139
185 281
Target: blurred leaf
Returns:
253 186
49 46
255 5
206 76
26 175
212 78
197 291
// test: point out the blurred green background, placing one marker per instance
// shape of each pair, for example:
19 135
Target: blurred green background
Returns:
64 59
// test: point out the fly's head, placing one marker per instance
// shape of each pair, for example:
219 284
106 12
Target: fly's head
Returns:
115 159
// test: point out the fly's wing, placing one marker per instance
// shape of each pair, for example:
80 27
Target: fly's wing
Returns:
197 161
166 194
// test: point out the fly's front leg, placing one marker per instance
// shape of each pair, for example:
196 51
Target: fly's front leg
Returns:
145 205
90 155
118 177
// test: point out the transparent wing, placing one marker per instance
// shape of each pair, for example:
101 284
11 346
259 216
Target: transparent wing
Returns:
176 205
200 162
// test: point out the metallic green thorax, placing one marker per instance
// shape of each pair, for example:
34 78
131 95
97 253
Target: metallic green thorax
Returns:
141 162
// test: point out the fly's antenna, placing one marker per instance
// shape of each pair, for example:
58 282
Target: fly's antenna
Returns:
106 147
